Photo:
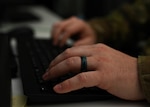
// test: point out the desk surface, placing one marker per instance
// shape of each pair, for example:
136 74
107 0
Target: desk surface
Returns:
42 30
17 91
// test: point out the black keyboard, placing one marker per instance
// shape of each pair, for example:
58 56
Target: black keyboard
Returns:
5 74
35 56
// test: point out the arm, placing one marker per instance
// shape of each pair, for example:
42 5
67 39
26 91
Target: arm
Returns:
121 23
144 74
116 26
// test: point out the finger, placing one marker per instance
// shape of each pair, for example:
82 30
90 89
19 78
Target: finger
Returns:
58 30
69 65
72 64
85 79
71 52
69 31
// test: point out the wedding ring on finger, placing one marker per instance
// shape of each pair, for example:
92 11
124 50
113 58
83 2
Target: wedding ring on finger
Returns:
83 64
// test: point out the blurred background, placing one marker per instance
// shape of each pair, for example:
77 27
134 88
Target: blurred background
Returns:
84 8
65 8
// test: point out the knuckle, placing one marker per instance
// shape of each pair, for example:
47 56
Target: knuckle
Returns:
73 18
70 62
67 53
100 47
97 61
66 85
82 77
76 20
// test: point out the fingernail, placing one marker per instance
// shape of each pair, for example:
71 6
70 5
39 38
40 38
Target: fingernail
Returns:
58 88
45 76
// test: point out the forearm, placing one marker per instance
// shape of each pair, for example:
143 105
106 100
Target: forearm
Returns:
122 23
144 75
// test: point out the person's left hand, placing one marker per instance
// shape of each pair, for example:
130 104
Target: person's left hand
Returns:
108 68
73 27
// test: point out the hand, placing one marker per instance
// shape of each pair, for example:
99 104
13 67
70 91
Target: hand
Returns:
73 26
108 68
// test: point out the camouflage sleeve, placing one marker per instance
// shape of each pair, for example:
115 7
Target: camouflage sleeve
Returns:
144 74
124 26
123 22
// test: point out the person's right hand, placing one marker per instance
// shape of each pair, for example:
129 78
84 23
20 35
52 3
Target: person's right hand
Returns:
63 30
107 69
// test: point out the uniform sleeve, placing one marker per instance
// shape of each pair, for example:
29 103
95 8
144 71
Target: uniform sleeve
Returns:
128 23
144 74
123 22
